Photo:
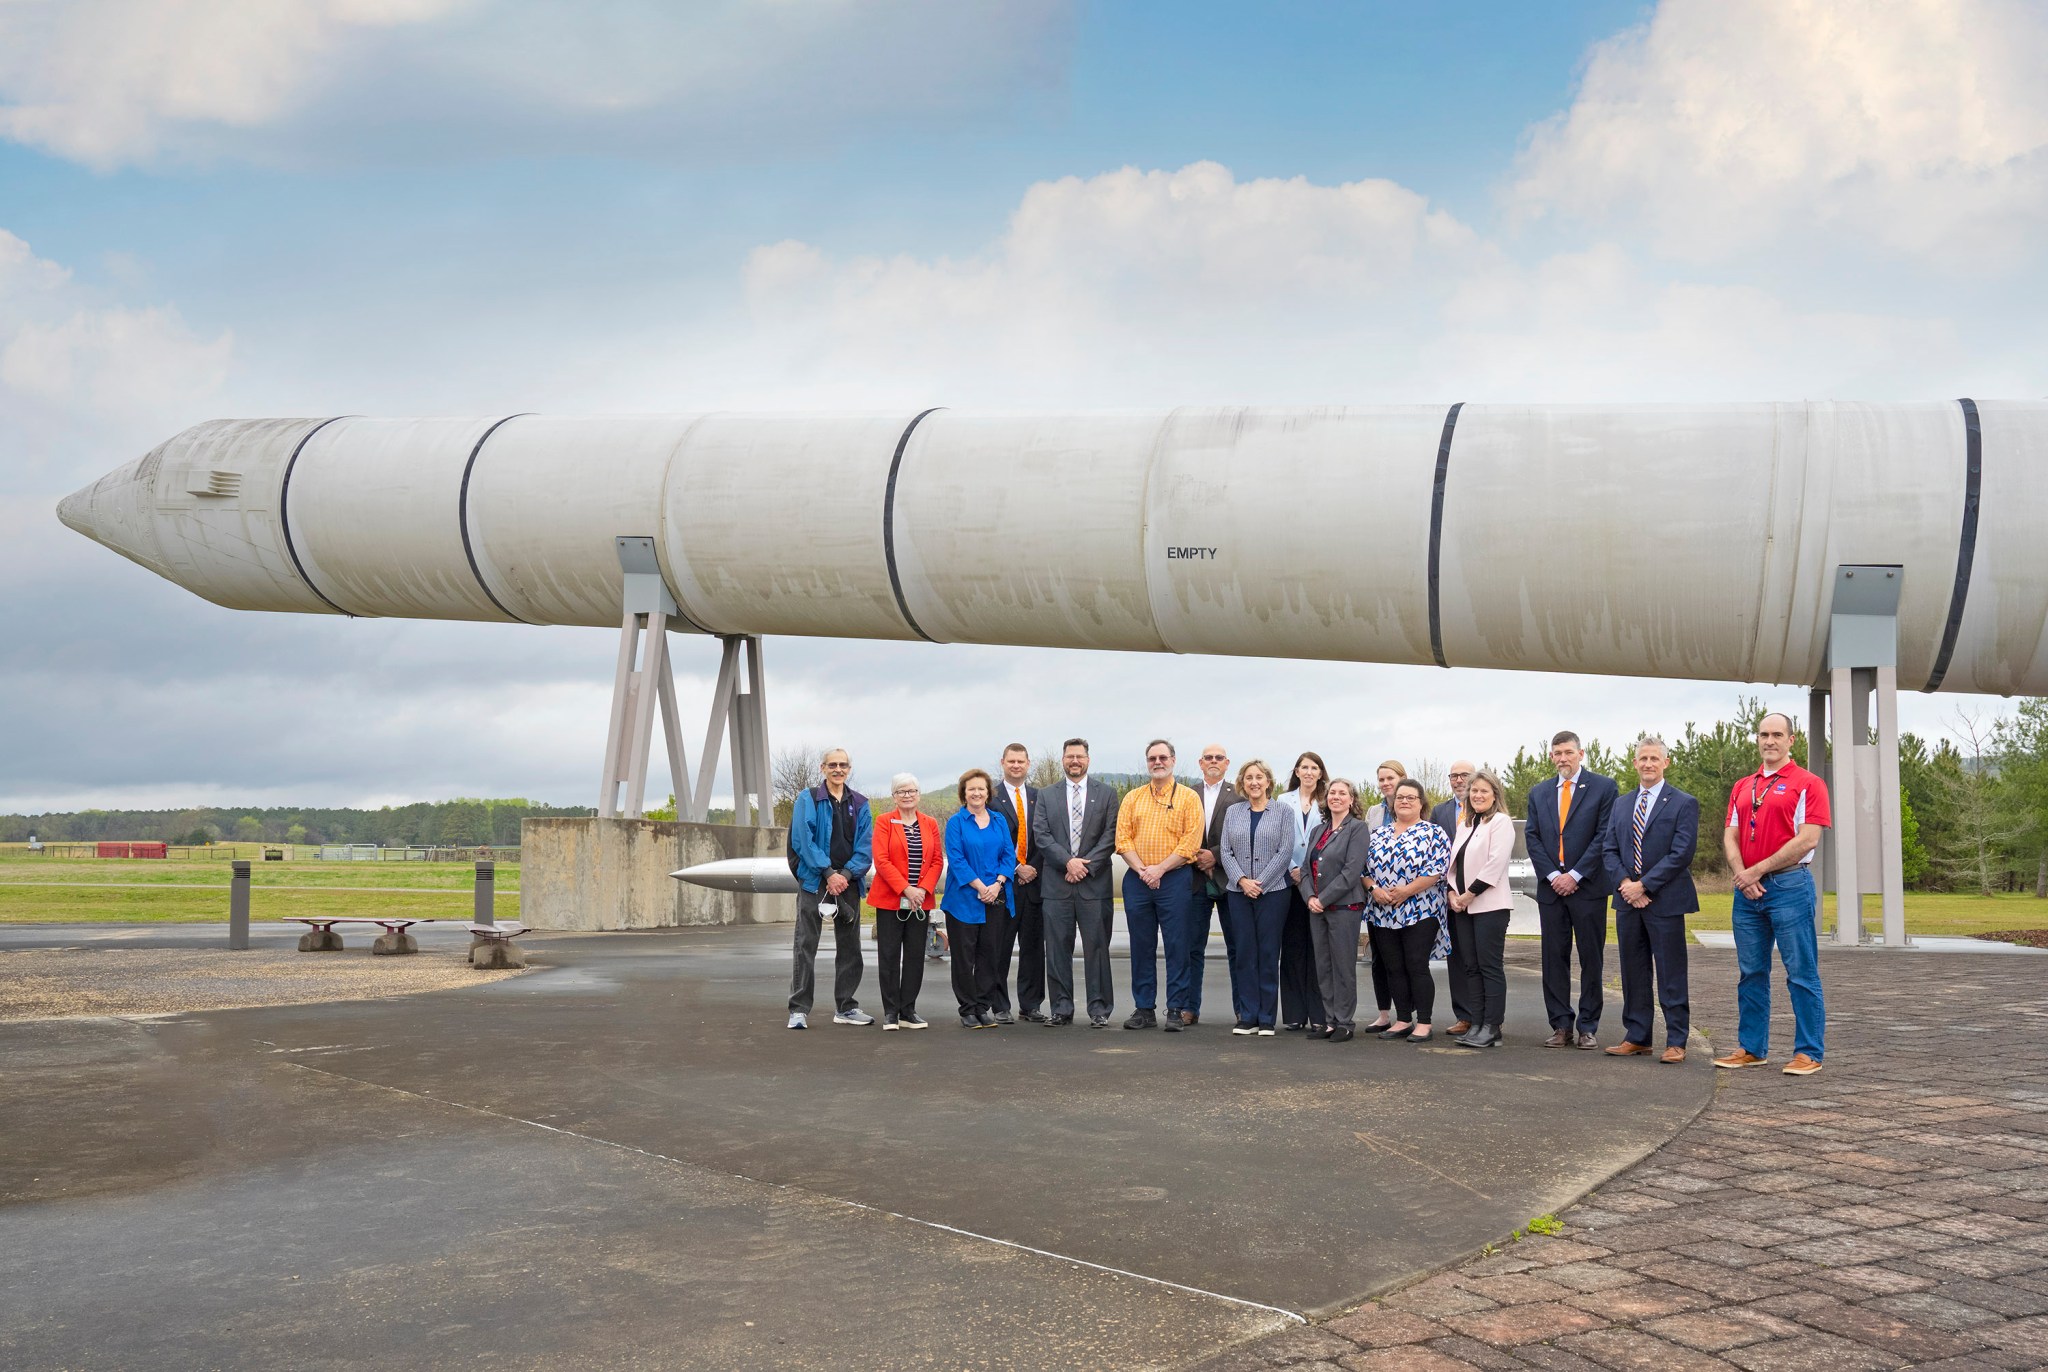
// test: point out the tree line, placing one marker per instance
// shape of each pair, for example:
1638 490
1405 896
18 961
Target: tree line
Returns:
461 823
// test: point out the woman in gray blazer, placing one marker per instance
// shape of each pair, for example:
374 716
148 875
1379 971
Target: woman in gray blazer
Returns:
1332 884
1261 835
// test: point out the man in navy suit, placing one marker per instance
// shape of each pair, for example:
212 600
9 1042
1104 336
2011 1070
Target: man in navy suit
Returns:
1566 832
1650 842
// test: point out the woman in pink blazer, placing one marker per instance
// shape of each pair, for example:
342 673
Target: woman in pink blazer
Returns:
1477 891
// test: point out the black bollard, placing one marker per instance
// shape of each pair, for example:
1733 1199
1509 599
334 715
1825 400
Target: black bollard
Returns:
486 893
238 907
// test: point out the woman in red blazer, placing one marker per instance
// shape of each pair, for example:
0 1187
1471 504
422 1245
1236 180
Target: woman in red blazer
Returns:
910 861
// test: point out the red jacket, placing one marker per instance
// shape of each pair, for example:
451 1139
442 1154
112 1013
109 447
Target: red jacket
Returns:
892 860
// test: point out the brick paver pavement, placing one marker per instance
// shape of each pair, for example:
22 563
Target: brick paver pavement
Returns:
1886 1213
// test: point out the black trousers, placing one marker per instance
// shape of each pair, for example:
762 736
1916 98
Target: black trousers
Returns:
1301 1000
974 960
1465 991
846 959
1025 944
1406 953
1479 947
1580 920
899 949
1381 996
1646 941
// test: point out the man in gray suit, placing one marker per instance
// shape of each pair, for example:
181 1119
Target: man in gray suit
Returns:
1074 827
1464 995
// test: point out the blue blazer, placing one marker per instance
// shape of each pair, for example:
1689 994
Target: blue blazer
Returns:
976 854
1669 838
1585 834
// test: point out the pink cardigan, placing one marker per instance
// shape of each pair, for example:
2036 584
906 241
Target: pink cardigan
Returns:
1487 851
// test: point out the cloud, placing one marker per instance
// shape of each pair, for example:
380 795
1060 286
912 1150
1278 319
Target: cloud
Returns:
1719 126
116 82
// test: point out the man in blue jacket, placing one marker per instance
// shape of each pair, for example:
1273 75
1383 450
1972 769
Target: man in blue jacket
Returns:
1650 842
1566 836
832 835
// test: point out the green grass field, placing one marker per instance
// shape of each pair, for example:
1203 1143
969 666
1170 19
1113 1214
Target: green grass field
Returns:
143 890
1927 912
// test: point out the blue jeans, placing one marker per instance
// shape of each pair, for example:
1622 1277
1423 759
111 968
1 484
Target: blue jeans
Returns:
1201 906
1255 927
1155 917
1788 915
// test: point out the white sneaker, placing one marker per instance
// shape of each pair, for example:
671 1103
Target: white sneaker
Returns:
854 1016
1265 1031
799 1020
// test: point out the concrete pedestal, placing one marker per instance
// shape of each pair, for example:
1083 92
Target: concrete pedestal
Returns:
495 954
320 941
614 874
394 942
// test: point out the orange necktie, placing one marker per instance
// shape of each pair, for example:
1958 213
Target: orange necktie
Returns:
1017 798
1564 810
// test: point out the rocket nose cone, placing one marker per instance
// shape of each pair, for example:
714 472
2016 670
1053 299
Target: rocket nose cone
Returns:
118 511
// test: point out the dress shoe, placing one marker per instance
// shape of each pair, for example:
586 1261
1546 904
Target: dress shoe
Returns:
1625 1049
1189 1017
1321 1033
1376 1027
1142 1019
1741 1057
987 1020
1340 1035
1291 1028
1675 1053
1035 1016
1396 1035
1483 1036
1057 1021
1560 1039
1463 1026
1587 1041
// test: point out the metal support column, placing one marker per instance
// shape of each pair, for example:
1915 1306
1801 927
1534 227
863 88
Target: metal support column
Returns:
637 690
1864 777
741 715
238 906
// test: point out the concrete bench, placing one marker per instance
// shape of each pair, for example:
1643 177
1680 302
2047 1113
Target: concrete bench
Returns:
491 946
321 938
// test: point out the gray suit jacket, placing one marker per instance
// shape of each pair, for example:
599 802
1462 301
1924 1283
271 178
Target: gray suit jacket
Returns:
1098 841
1445 817
1341 866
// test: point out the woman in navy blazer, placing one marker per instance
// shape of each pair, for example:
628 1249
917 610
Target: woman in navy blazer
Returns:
1261 835
981 855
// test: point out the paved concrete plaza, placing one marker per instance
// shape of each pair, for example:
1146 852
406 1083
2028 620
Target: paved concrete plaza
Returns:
1886 1213
624 1159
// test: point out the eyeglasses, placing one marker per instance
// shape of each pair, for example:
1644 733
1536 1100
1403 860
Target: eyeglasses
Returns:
1461 776
1160 757
837 766
1214 757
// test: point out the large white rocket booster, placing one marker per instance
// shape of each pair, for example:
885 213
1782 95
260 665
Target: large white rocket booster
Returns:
1693 541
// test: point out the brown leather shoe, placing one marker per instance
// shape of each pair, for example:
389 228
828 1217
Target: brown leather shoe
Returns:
1625 1049
1673 1054
1588 1041
1801 1066
1741 1057
1560 1039
1189 1017
1463 1026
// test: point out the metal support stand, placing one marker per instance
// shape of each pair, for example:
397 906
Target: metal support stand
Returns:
739 710
238 906
744 715
637 689
485 910
1864 852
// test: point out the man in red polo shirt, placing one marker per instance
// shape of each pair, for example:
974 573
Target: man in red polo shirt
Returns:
1775 816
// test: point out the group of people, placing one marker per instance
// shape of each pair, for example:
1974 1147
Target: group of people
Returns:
1310 875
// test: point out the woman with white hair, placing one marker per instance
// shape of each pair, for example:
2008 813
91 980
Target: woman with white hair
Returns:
910 859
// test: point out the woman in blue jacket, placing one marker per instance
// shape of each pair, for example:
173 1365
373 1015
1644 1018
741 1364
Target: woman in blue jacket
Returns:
981 855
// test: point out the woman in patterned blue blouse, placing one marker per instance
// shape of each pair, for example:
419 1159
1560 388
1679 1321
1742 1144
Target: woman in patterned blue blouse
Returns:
1407 862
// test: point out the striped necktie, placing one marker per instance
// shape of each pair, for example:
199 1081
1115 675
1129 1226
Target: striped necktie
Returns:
1642 821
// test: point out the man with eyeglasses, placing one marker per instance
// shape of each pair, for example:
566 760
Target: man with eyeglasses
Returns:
1074 827
1775 815
1464 995
1207 902
832 834
1158 832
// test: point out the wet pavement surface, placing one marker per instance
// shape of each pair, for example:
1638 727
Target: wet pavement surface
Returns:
1889 1212
624 1159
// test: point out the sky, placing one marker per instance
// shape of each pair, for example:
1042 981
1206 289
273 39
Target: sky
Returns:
217 208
